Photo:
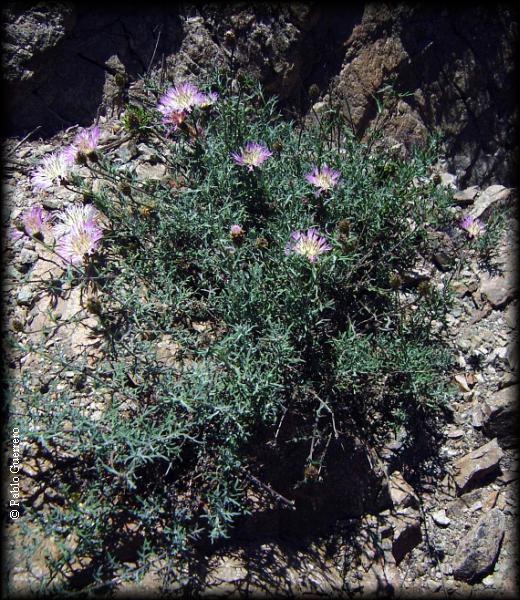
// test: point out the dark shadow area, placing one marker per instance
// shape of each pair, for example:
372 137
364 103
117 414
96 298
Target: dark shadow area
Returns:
465 64
324 49
64 84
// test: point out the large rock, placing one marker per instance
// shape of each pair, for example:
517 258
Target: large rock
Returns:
477 466
407 533
457 84
479 549
58 57
458 65
493 196
500 412
401 492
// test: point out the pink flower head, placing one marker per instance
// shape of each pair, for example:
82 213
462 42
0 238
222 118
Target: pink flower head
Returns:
76 216
34 220
209 100
81 240
236 232
252 155
309 244
55 168
474 227
323 179
85 142
181 98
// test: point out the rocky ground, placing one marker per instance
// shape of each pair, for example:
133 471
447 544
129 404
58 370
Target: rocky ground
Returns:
449 537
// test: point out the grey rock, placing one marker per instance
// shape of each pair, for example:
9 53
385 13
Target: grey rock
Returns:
466 196
513 357
25 295
127 151
51 202
449 180
440 518
500 412
27 257
148 171
444 261
511 315
477 465
479 549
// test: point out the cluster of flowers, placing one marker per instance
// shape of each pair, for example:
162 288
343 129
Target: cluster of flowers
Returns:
179 101
56 167
310 243
77 230
78 234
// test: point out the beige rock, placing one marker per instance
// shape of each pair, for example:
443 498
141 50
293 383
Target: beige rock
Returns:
148 171
497 289
475 466
493 195
401 492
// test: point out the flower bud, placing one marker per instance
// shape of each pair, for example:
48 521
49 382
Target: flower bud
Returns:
424 288
93 306
395 280
145 211
237 233
314 92
262 243
310 472
344 226
17 325
81 158
125 188
230 37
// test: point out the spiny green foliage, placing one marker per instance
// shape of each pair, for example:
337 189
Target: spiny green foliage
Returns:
254 335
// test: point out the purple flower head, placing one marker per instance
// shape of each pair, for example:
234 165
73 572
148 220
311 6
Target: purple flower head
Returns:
34 221
76 217
181 98
309 244
323 179
55 168
85 142
474 227
251 155
80 241
15 234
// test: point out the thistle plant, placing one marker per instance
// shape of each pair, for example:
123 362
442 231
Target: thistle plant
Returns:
474 227
233 315
323 179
